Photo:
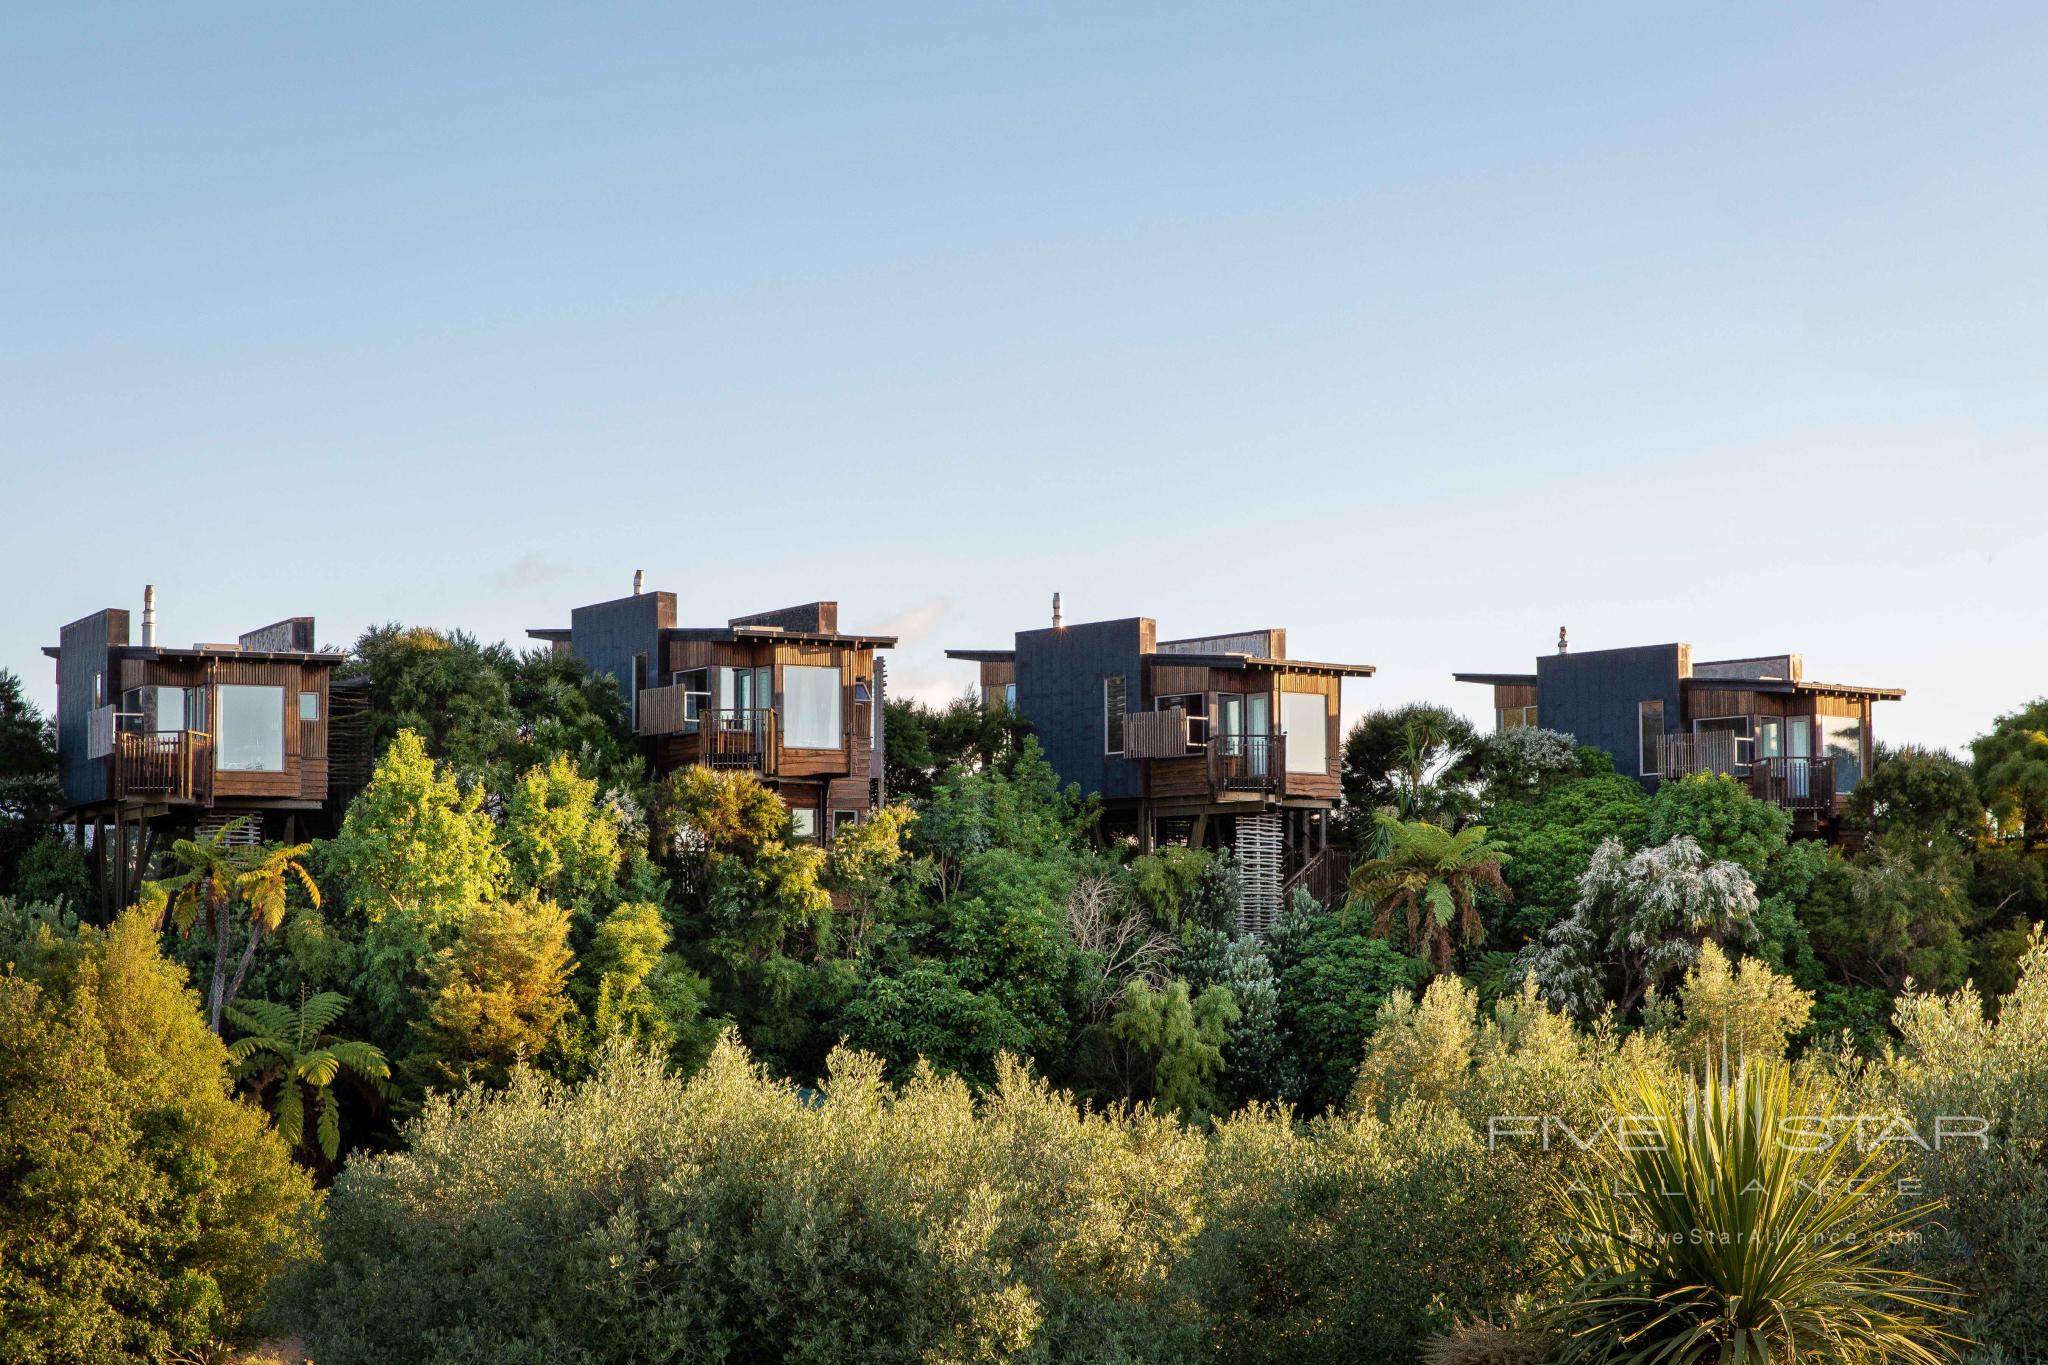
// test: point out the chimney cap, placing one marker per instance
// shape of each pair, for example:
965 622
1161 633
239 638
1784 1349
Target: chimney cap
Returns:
639 581
1058 617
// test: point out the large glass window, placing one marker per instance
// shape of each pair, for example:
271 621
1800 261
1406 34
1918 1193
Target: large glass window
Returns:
1650 737
251 735
1113 715
1841 738
1304 716
810 707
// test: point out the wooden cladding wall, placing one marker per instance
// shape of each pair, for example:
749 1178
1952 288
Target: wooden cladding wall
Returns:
284 785
1508 696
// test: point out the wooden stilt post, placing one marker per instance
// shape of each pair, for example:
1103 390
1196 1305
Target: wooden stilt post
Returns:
121 897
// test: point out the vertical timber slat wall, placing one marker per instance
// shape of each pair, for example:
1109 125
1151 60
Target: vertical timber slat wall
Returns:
1258 857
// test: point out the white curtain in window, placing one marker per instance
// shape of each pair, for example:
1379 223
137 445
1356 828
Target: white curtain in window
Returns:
251 729
1304 716
810 707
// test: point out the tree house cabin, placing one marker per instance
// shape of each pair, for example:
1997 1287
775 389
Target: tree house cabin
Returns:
1218 741
1660 714
784 695
154 739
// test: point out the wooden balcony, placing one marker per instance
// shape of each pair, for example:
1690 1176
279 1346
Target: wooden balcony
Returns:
1247 763
1796 784
176 766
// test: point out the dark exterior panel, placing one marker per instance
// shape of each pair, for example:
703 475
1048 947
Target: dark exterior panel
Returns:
1594 696
82 651
1060 675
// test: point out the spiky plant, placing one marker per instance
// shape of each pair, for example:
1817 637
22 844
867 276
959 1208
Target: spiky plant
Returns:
1735 1220
291 1048
1433 878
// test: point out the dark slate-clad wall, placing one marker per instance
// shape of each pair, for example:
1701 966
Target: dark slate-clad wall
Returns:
1060 675
82 647
1594 696
606 636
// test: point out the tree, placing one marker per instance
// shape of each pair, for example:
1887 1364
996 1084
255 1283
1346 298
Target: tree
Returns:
415 855
566 710
1433 877
216 878
415 842
53 870
495 996
1412 759
861 868
1717 812
560 841
1176 1045
28 777
1900 911
1550 841
1333 977
1728 1012
1927 794
2011 768
925 1013
632 988
1639 922
445 688
921 743
143 1210
293 1050
1523 763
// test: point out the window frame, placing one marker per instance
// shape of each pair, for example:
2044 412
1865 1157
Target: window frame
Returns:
1645 764
1118 715
221 737
1322 736
304 697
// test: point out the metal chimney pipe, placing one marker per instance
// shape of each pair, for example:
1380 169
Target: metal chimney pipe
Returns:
639 581
149 614
1563 645
1058 618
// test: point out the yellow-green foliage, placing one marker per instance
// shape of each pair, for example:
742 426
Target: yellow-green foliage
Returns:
496 996
142 1209
1953 1068
639 1217
559 840
1727 1012
415 843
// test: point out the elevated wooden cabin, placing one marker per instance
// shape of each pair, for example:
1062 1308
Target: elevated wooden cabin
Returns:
785 695
153 739
1662 714
1219 741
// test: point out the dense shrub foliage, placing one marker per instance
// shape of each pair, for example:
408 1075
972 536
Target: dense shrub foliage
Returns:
142 1208
995 1083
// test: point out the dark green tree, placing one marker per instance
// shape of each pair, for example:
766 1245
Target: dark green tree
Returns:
1417 760
2011 768
29 798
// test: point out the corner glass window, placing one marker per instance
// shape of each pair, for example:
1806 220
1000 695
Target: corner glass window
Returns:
810 707
1841 738
1304 716
803 822
251 733
1113 715
309 706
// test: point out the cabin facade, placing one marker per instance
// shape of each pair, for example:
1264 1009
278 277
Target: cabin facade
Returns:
155 739
1216 741
1660 714
784 695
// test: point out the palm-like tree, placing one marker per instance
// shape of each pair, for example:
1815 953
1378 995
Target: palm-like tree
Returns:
292 1048
1433 877
216 876
1722 1232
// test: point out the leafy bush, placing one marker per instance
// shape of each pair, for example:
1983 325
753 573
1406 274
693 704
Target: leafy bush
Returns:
1333 976
636 1217
142 1210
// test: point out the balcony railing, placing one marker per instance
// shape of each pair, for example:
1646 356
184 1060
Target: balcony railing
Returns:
176 766
1247 763
735 738
1795 783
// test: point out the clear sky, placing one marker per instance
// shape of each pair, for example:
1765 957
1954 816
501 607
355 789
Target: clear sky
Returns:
1420 330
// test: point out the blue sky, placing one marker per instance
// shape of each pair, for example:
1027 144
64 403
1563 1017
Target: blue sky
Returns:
1418 330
